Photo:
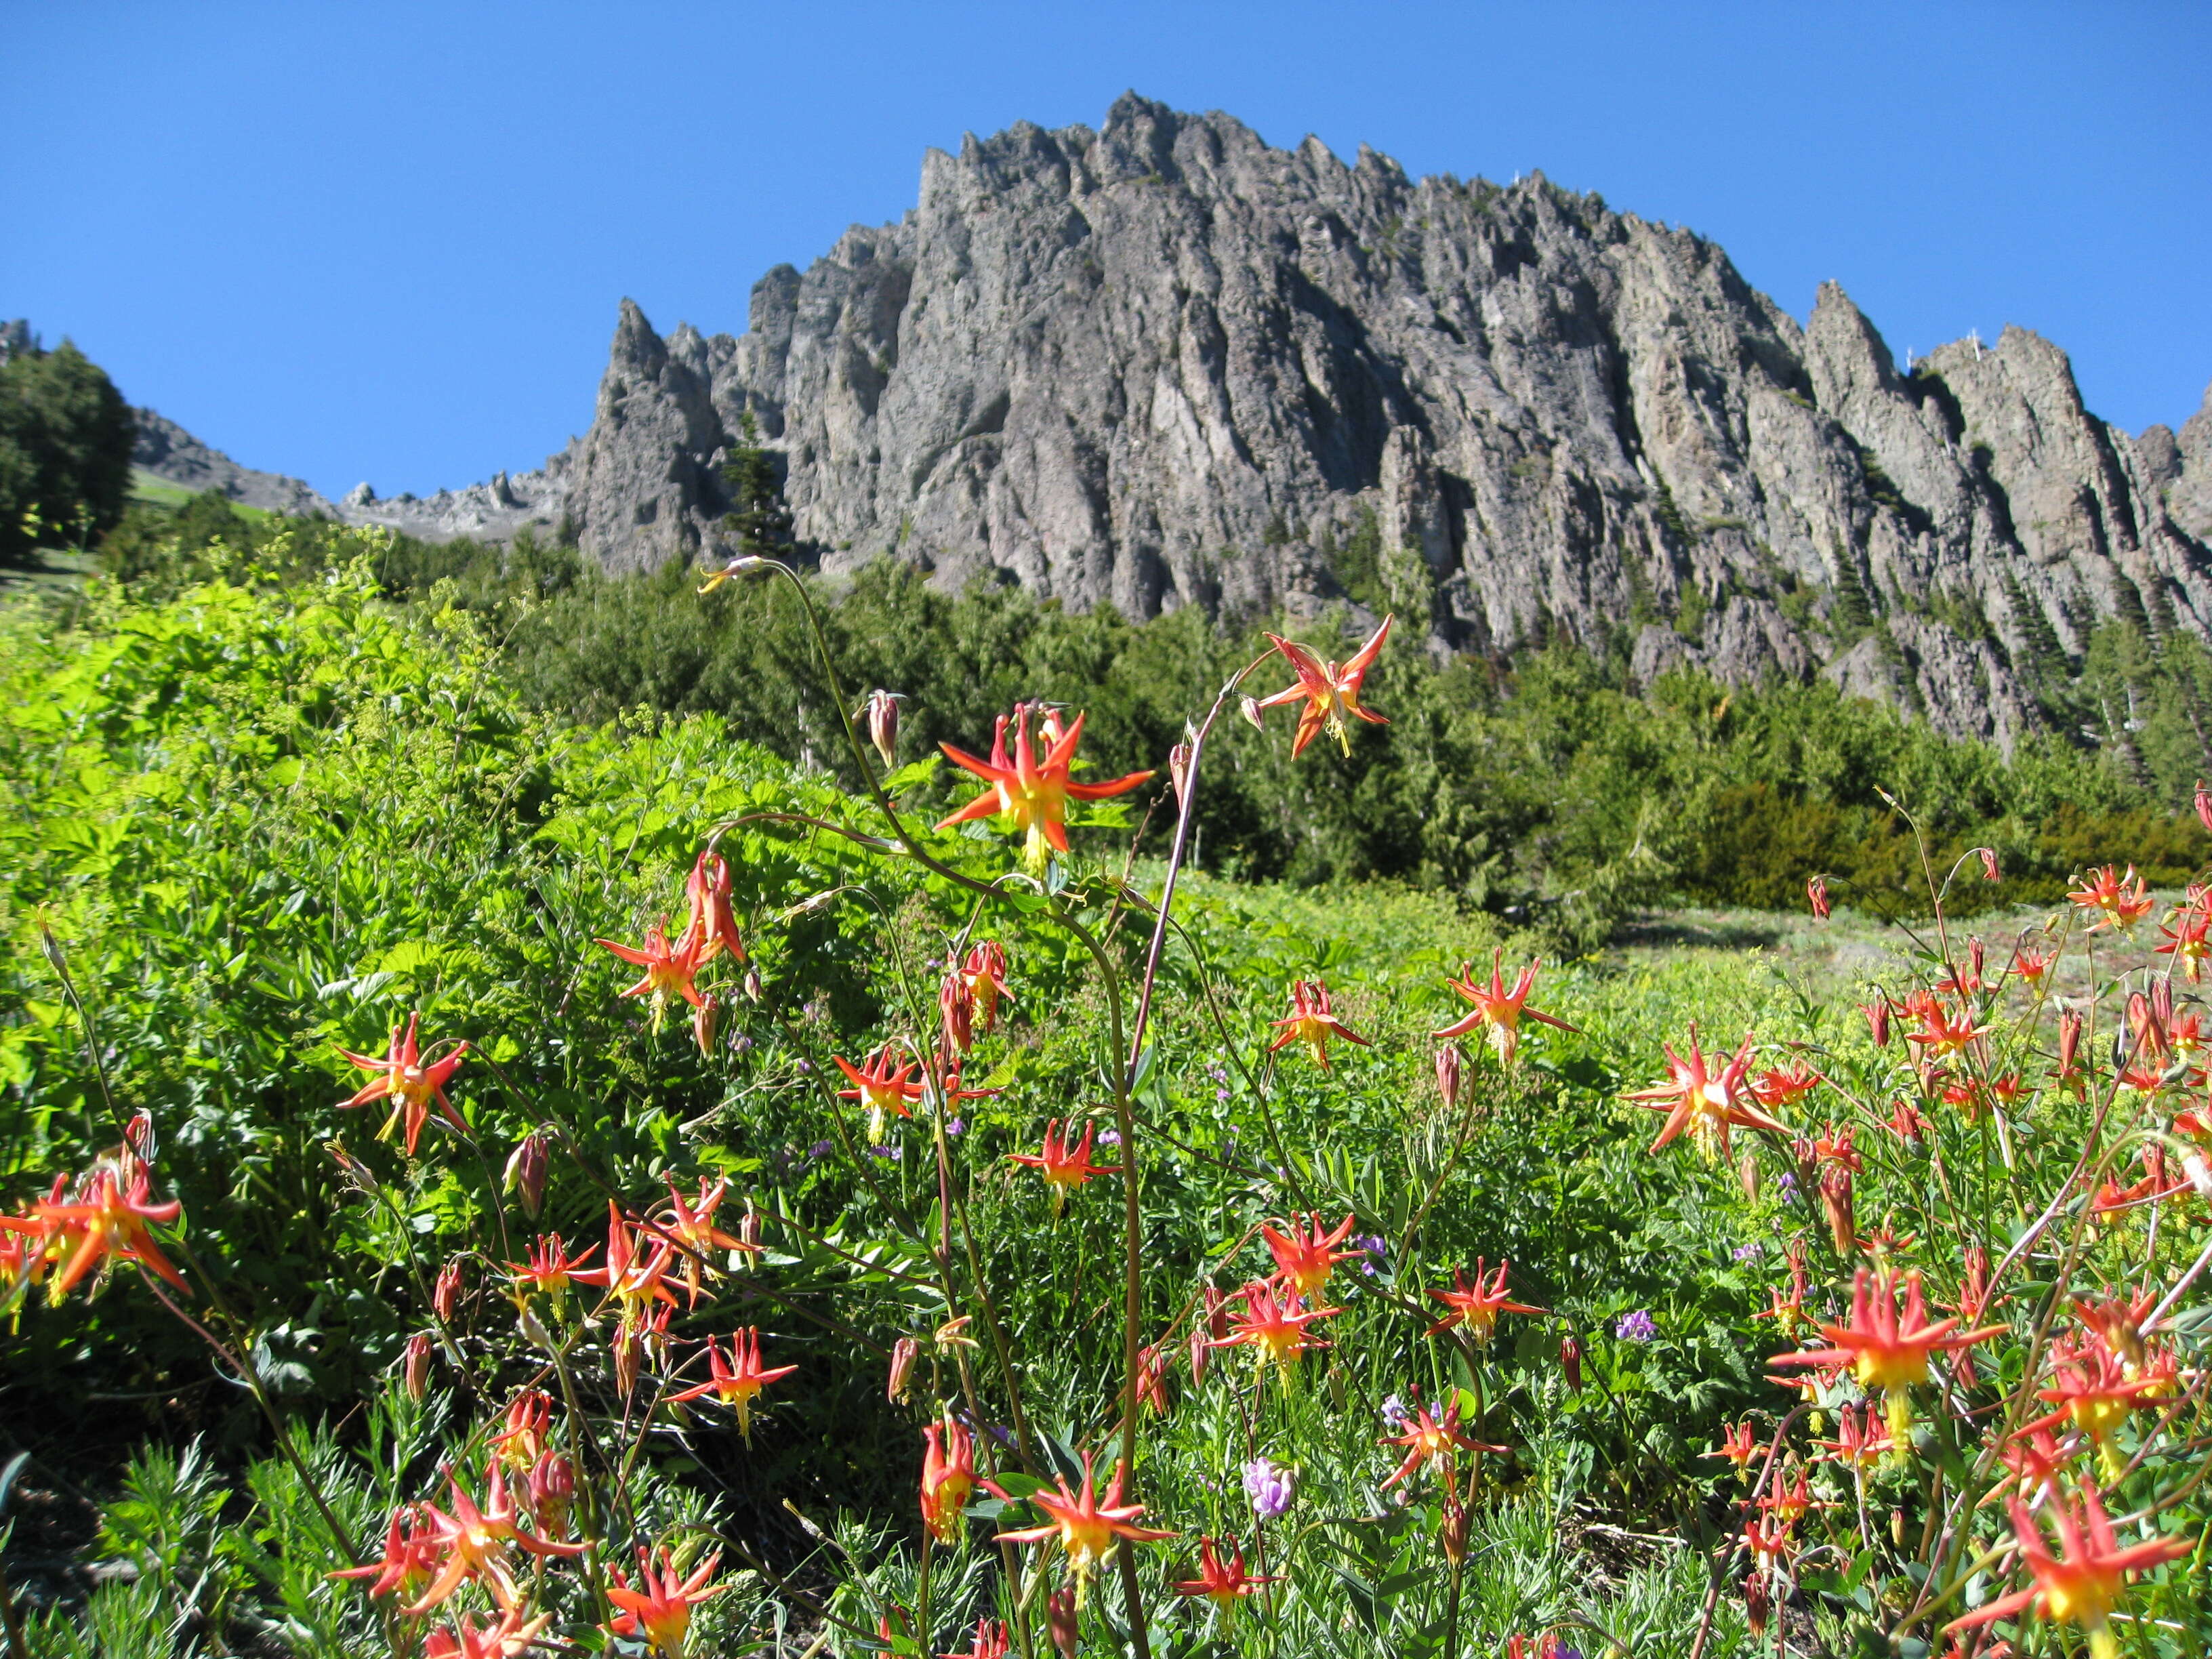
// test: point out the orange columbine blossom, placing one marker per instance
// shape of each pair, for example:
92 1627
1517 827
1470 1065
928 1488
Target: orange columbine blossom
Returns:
1863 1439
529 1420
948 1477
1084 1528
1779 1087
1224 1582
1305 1254
1889 1349
1064 1167
550 1270
989 1641
465 1638
473 1543
1739 1446
631 1277
735 1381
411 1555
104 1222
2093 1388
1273 1326
983 969
1033 793
1313 1023
2119 901
1475 1307
885 1085
1329 693
692 1226
410 1082
1497 1008
1942 1031
659 1611
2080 1585
708 887
1430 1439
1707 1105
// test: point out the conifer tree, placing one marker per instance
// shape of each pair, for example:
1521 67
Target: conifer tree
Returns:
759 519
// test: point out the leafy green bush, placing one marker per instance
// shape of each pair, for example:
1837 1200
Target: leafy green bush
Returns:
65 441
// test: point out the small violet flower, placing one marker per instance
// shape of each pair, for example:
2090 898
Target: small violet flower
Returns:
1270 1486
1394 1413
819 1150
883 1151
1636 1327
1110 1137
1750 1252
953 1126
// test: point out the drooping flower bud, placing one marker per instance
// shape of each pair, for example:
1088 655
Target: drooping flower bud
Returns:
1817 891
1877 1013
1975 958
752 985
1747 1174
1758 1603
528 1167
1179 772
552 1491
1061 1620
1249 708
1990 871
1451 1535
628 1357
416 1367
2071 1026
1571 1361
1836 1203
748 1230
881 713
904 1352
1448 1074
703 1020
447 1293
956 1003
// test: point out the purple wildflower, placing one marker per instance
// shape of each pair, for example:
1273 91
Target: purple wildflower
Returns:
1270 1486
1110 1137
1636 1327
1394 1413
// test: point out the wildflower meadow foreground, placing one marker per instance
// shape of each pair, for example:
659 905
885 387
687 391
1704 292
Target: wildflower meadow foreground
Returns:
605 1194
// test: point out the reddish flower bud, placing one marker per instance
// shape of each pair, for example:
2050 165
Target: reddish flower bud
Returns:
1746 1173
882 714
1757 1604
1179 772
1061 1620
902 1357
2071 1026
703 1020
1990 871
1835 1201
752 985
526 1170
1570 1360
1249 708
1817 891
956 1002
1975 958
1451 1535
1448 1074
552 1491
417 1366
447 1293
708 889
1877 1013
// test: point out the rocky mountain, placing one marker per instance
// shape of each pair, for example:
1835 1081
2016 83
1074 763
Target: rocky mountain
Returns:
1162 363
172 454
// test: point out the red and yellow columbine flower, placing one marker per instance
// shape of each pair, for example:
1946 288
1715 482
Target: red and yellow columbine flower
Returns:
1084 1528
692 1226
1273 1326
659 1611
550 1270
1888 1348
989 1641
1475 1307
948 1478
1499 1010
885 1085
1705 1103
631 1276
1305 1254
529 1421
2080 1585
1942 1031
2094 1388
983 969
735 1381
669 969
1429 1438
1313 1023
1224 1582
1782 1086
104 1222
409 1558
1863 1439
1739 1447
708 887
1032 793
409 1082
473 1543
2119 901
1064 1167
1329 693
511 1634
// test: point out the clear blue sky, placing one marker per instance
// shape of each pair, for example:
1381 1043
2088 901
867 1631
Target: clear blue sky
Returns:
386 241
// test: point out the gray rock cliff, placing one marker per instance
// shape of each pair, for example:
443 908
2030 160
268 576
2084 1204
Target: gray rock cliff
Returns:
174 456
1163 363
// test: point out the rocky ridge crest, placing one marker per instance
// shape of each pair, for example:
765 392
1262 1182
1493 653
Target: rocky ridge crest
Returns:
1163 363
